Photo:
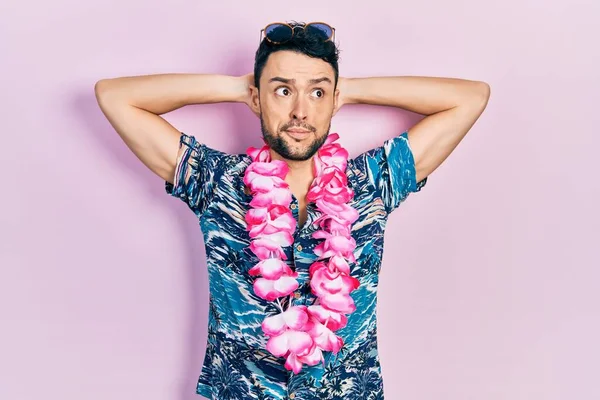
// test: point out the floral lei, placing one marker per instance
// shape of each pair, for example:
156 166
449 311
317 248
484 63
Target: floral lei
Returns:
301 333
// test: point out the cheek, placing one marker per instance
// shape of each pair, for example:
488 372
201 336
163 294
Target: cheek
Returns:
275 116
271 120
323 119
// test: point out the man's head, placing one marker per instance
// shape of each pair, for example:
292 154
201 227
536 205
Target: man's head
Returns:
296 92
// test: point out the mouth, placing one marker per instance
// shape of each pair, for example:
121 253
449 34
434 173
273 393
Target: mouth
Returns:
298 133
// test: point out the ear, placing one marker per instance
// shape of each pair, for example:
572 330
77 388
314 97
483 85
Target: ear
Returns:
336 101
254 100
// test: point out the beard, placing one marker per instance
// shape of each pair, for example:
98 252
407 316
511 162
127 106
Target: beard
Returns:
278 144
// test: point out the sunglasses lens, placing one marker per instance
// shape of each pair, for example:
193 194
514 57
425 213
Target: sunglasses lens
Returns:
322 30
278 33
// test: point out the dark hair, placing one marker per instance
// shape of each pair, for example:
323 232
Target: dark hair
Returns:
303 42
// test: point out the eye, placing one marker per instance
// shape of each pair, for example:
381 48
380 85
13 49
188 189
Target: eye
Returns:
283 91
319 93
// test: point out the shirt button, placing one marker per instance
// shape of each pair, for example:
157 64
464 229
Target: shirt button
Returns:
292 395
293 206
297 295
299 248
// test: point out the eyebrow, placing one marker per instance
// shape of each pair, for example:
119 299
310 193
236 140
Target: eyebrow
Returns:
292 81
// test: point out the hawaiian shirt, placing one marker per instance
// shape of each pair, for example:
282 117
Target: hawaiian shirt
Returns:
237 364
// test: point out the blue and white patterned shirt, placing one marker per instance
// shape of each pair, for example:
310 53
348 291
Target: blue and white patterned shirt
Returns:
237 365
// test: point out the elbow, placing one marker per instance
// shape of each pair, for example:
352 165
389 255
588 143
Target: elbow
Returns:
479 95
101 88
483 92
107 91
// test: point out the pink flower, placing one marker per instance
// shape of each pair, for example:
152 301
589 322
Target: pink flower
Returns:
338 302
324 281
260 183
295 317
271 243
333 287
276 168
331 154
282 238
290 340
332 319
256 216
261 155
295 362
272 220
325 338
265 248
263 176
331 186
342 212
271 268
280 196
334 245
334 225
270 289
340 264
332 137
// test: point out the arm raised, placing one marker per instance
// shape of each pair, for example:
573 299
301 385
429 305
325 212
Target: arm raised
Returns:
133 106
451 107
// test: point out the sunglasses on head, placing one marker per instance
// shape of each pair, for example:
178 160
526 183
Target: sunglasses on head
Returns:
280 32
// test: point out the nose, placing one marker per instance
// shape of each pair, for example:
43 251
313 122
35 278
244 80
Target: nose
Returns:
299 110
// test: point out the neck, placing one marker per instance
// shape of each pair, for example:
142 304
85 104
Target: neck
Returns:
298 170
300 175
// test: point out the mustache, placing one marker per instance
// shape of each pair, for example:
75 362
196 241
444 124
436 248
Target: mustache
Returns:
290 125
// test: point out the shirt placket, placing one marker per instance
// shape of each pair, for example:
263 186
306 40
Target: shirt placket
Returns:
300 255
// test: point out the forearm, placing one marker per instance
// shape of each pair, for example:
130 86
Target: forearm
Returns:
162 93
423 95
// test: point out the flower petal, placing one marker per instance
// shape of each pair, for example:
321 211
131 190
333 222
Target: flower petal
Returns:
331 319
272 268
293 363
278 345
313 358
285 285
296 317
274 325
299 342
339 302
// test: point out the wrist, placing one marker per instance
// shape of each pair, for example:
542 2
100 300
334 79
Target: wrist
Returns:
348 93
242 84
238 88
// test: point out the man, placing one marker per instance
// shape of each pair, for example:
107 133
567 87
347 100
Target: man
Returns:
306 327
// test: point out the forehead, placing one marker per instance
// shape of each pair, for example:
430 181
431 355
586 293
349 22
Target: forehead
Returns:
292 65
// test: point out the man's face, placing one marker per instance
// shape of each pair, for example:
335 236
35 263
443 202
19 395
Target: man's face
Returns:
296 103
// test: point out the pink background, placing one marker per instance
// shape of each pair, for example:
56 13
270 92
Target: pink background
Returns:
490 280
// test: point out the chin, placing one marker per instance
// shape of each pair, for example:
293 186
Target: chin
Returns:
297 153
294 149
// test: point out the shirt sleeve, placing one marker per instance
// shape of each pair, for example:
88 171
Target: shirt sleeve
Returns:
391 169
195 171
